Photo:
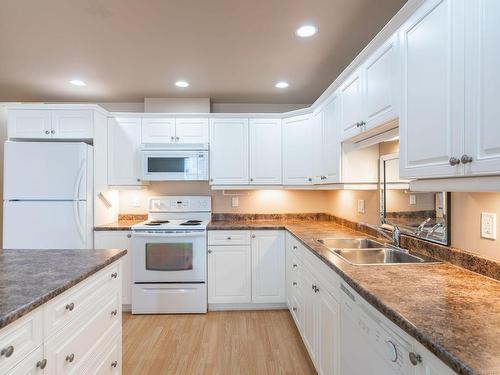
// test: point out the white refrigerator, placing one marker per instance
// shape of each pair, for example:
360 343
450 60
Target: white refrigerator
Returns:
48 191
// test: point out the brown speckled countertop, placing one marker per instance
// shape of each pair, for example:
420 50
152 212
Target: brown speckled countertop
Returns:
30 278
124 224
453 312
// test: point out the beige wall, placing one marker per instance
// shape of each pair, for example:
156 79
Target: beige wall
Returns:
256 201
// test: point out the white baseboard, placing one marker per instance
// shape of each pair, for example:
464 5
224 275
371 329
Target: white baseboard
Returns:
246 306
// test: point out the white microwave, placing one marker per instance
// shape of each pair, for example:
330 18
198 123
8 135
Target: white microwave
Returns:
174 165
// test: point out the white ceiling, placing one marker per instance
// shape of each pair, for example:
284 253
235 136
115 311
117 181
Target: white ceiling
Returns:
229 50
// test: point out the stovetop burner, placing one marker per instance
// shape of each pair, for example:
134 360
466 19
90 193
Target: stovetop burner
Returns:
191 222
156 222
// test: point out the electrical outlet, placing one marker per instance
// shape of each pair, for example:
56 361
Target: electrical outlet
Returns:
489 225
413 199
235 202
137 202
361 206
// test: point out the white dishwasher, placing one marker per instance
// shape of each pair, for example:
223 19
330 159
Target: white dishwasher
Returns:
368 346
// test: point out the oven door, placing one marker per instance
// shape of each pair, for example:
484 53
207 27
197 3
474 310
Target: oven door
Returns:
173 165
169 257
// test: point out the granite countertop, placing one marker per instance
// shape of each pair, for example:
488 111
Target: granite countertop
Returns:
30 278
453 312
124 224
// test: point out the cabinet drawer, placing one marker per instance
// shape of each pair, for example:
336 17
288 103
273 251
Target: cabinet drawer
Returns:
20 338
29 365
106 357
296 310
71 350
71 304
229 237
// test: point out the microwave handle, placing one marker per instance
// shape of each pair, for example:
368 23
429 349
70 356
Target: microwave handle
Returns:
168 235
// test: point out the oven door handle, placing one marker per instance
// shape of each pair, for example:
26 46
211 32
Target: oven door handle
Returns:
169 235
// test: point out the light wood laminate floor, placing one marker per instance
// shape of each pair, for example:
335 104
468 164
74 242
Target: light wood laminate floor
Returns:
242 342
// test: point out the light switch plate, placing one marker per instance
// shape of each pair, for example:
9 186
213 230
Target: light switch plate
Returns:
489 225
235 202
413 199
361 206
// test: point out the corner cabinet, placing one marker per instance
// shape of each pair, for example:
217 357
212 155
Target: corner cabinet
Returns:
298 156
229 151
124 144
48 124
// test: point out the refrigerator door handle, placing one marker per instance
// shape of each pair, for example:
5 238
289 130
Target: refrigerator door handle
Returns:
78 221
78 181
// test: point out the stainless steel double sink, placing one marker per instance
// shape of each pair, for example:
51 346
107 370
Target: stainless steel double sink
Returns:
365 251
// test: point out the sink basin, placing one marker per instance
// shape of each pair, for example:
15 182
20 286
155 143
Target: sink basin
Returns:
350 243
378 256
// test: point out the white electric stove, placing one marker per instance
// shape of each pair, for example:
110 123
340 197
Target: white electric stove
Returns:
169 256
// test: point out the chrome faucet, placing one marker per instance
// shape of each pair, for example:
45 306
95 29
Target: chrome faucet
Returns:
435 228
394 229
422 225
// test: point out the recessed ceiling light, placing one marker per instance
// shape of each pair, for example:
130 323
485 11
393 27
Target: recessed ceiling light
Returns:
306 31
181 84
77 82
281 85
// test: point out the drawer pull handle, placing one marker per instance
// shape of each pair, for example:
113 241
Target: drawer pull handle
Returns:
70 358
294 266
114 364
41 364
114 312
294 283
415 359
70 306
8 351
114 275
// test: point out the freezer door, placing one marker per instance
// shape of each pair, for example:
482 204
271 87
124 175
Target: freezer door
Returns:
45 225
45 171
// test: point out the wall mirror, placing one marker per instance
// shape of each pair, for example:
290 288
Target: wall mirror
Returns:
425 215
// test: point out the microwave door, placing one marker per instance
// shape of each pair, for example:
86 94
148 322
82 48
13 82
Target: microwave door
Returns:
169 166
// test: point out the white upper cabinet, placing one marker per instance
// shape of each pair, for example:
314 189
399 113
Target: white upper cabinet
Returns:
191 130
482 60
73 124
327 142
174 130
268 266
351 99
47 124
229 151
380 84
124 143
158 130
432 117
265 151
298 158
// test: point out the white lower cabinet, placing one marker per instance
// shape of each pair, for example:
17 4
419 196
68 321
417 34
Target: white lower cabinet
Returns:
119 240
246 267
80 339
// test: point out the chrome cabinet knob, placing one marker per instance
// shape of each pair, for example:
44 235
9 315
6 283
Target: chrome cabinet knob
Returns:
309 179
358 124
70 358
294 283
295 247
316 290
465 159
454 161
209 251
229 238
415 359
294 266
7 352
114 275
47 132
114 312
177 139
362 123
294 308
251 179
172 138
70 306
129 235
138 180
52 132
41 364
313 287
114 364
253 235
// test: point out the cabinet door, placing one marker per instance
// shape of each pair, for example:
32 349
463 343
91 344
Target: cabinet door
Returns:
265 152
124 142
432 117
73 124
351 99
268 266
191 130
380 74
330 142
158 130
298 163
118 240
229 274
229 151
310 315
482 124
29 123
328 334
